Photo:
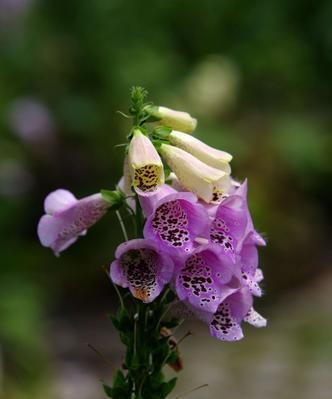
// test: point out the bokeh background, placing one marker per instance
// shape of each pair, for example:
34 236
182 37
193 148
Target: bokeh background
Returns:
258 77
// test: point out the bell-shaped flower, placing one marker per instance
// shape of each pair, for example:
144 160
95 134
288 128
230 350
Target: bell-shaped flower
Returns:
229 224
177 120
209 155
67 218
202 277
176 221
206 182
232 223
141 267
145 166
225 323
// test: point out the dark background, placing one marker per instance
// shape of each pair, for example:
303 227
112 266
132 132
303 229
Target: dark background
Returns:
257 75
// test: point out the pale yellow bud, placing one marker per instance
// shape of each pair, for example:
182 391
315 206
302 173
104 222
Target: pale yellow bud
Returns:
177 120
206 182
209 155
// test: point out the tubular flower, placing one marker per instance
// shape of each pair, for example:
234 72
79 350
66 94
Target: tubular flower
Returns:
176 221
142 268
229 224
202 277
225 323
177 120
145 165
67 218
209 155
206 182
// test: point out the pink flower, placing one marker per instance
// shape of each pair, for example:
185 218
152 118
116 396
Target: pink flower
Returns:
141 267
67 218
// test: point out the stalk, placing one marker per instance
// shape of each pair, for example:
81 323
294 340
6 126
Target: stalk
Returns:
147 350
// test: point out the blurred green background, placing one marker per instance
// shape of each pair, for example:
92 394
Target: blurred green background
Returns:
257 75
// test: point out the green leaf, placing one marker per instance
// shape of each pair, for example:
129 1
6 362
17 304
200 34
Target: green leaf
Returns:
167 387
115 321
173 357
156 379
115 198
119 380
108 390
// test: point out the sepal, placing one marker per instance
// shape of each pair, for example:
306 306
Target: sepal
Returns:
115 198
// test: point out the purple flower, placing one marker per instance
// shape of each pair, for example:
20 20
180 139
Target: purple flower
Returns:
202 277
232 222
67 218
142 268
225 324
229 224
176 221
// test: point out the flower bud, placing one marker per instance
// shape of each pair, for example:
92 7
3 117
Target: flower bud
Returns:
175 119
206 182
145 165
209 155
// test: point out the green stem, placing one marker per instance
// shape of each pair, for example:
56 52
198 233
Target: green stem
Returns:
139 326
123 227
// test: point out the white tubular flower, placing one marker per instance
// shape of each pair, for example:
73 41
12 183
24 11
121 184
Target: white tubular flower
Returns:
177 120
206 182
145 166
209 155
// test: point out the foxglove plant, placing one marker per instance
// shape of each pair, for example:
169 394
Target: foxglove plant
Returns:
194 251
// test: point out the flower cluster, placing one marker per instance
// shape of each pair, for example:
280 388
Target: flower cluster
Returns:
198 236
206 251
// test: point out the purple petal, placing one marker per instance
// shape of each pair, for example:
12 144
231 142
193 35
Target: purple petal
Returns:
255 319
59 200
141 268
202 277
177 220
117 274
226 322
249 264
257 239
252 284
259 275
148 203
224 326
229 225
249 256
